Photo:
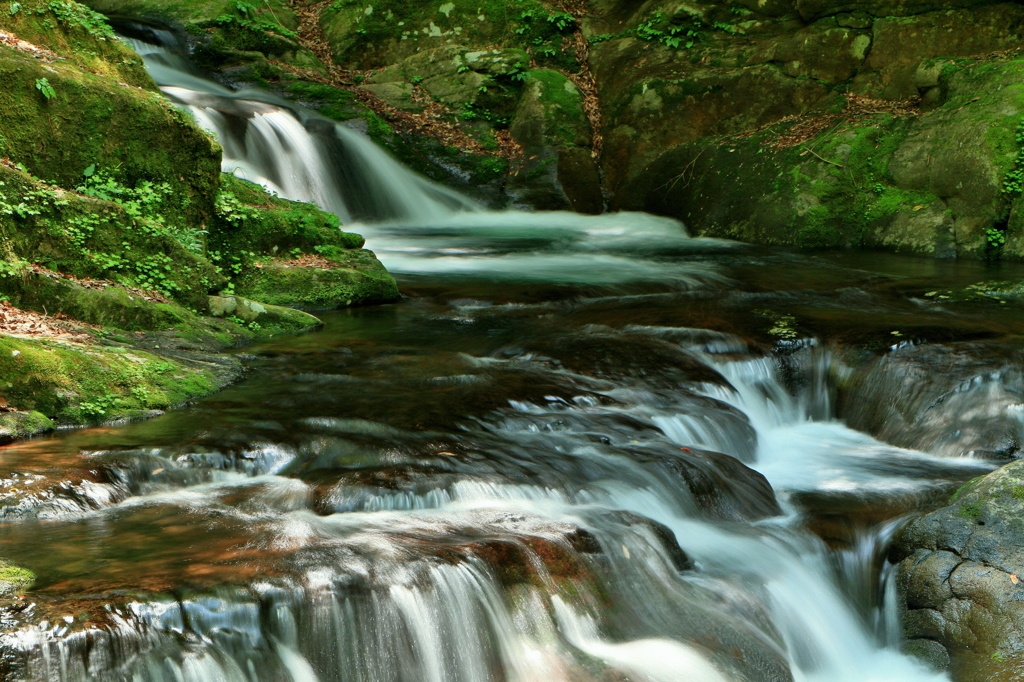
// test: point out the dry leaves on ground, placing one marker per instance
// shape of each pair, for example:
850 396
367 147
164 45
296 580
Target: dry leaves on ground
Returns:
11 40
30 324
303 261
858 109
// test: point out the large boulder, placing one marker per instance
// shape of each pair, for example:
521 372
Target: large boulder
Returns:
958 580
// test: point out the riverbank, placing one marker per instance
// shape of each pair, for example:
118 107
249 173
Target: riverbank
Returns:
130 267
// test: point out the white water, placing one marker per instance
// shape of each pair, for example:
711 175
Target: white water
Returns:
296 155
376 610
417 227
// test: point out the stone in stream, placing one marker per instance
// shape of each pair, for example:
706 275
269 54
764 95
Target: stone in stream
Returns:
970 408
14 579
961 597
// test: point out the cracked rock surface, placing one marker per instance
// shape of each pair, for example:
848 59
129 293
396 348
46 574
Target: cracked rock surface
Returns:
958 580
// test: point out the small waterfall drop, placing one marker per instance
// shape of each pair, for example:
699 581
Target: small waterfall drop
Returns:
477 490
291 151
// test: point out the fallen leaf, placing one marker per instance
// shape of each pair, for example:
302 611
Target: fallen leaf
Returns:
918 207
1014 579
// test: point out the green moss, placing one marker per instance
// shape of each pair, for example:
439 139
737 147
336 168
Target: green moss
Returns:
75 384
95 121
565 121
367 37
970 511
16 425
14 579
78 35
248 218
359 279
90 238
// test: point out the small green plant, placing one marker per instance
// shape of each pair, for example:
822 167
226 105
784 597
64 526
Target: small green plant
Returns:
43 86
15 7
98 407
995 237
416 80
79 16
1013 181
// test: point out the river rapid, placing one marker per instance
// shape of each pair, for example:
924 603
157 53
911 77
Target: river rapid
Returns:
578 449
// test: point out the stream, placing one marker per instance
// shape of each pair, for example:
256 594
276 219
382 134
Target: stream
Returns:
578 449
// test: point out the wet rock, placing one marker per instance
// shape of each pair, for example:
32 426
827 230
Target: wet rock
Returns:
15 425
824 51
901 44
651 360
972 407
958 579
557 171
725 488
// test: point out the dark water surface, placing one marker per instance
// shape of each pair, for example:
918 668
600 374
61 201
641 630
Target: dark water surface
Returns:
674 462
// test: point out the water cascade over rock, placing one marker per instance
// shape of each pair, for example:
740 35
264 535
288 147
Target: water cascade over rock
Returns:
581 449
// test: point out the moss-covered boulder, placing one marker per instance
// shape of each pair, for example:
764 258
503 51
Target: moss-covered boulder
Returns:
98 109
557 170
285 253
14 579
16 425
87 383
958 580
932 184
348 278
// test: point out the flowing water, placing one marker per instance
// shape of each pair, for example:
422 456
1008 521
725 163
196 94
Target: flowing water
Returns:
578 449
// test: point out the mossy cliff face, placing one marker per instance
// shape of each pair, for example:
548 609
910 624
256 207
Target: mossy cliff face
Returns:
760 130
99 109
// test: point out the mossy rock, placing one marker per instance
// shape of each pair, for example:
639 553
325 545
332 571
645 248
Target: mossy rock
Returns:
81 384
14 579
90 120
252 220
17 425
77 34
963 605
389 31
557 171
90 238
358 279
263 318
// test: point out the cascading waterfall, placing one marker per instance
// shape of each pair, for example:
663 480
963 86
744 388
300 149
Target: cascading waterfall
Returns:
290 151
432 504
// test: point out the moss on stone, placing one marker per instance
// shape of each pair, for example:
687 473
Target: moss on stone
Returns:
14 579
17 425
391 30
358 279
90 238
79 35
249 219
73 384
96 121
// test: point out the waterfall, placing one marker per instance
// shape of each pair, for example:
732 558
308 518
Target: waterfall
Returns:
469 490
291 151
